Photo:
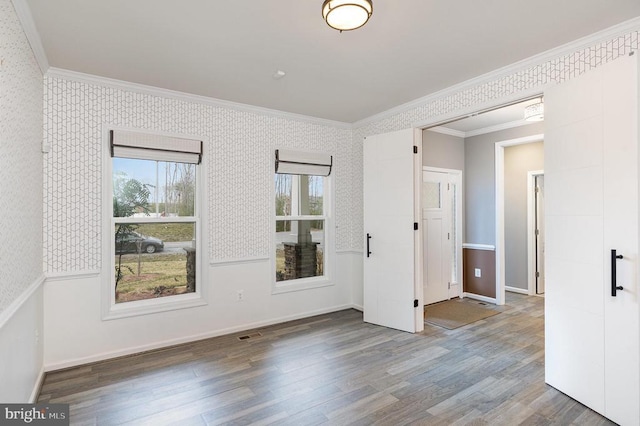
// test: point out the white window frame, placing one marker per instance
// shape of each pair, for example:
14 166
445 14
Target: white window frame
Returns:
111 309
279 287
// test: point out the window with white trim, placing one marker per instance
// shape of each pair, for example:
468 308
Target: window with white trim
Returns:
154 218
301 216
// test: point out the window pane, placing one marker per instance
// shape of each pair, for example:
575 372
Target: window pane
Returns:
431 195
299 249
315 196
154 260
283 194
143 188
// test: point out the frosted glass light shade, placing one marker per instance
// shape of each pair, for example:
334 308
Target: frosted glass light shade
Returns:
346 15
534 112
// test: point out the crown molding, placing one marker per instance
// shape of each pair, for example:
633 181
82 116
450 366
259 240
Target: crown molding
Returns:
60 73
447 131
490 129
498 127
562 50
33 36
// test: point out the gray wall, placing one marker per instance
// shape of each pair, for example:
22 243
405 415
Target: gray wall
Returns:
479 182
442 151
518 160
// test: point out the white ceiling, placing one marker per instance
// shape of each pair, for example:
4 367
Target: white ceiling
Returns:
230 49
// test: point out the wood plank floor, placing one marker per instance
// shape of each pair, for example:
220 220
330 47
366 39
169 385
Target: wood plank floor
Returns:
333 369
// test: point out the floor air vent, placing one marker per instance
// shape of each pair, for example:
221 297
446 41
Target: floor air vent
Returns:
249 336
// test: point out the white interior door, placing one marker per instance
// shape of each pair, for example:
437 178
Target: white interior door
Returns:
591 207
392 277
539 182
436 219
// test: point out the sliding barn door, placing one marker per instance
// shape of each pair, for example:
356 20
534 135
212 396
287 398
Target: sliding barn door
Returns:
392 245
591 183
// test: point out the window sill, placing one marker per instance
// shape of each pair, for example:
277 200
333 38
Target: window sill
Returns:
301 284
152 306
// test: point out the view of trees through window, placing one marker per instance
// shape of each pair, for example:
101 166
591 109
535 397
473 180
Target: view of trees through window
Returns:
300 220
154 222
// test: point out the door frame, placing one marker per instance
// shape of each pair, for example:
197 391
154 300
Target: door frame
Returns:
457 175
499 206
531 237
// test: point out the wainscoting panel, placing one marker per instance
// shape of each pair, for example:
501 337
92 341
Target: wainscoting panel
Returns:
482 259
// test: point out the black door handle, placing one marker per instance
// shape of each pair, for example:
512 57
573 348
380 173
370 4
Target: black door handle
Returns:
614 286
368 239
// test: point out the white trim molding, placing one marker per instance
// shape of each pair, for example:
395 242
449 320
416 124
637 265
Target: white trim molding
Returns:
458 133
498 127
355 252
478 246
15 306
479 297
35 393
241 261
447 131
516 290
79 275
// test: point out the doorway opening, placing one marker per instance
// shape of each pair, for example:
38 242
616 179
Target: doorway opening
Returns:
513 227
482 237
442 234
535 232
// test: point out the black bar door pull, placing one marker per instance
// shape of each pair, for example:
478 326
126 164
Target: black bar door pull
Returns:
368 239
614 286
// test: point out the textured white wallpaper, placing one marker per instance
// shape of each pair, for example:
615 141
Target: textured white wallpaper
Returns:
20 160
553 71
239 149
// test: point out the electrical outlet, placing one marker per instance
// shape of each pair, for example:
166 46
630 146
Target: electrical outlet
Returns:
239 295
478 273
36 334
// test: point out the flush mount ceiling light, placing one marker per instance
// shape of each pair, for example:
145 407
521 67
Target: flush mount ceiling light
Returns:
535 111
346 15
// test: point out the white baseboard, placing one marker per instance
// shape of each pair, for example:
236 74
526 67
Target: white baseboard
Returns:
480 298
479 246
172 342
516 290
37 387
357 307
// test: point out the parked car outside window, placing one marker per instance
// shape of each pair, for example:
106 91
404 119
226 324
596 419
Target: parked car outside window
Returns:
129 243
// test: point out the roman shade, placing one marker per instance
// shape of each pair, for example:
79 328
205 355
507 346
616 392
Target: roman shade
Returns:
144 146
303 163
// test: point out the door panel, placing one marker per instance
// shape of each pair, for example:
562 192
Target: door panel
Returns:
591 163
436 219
620 99
390 271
